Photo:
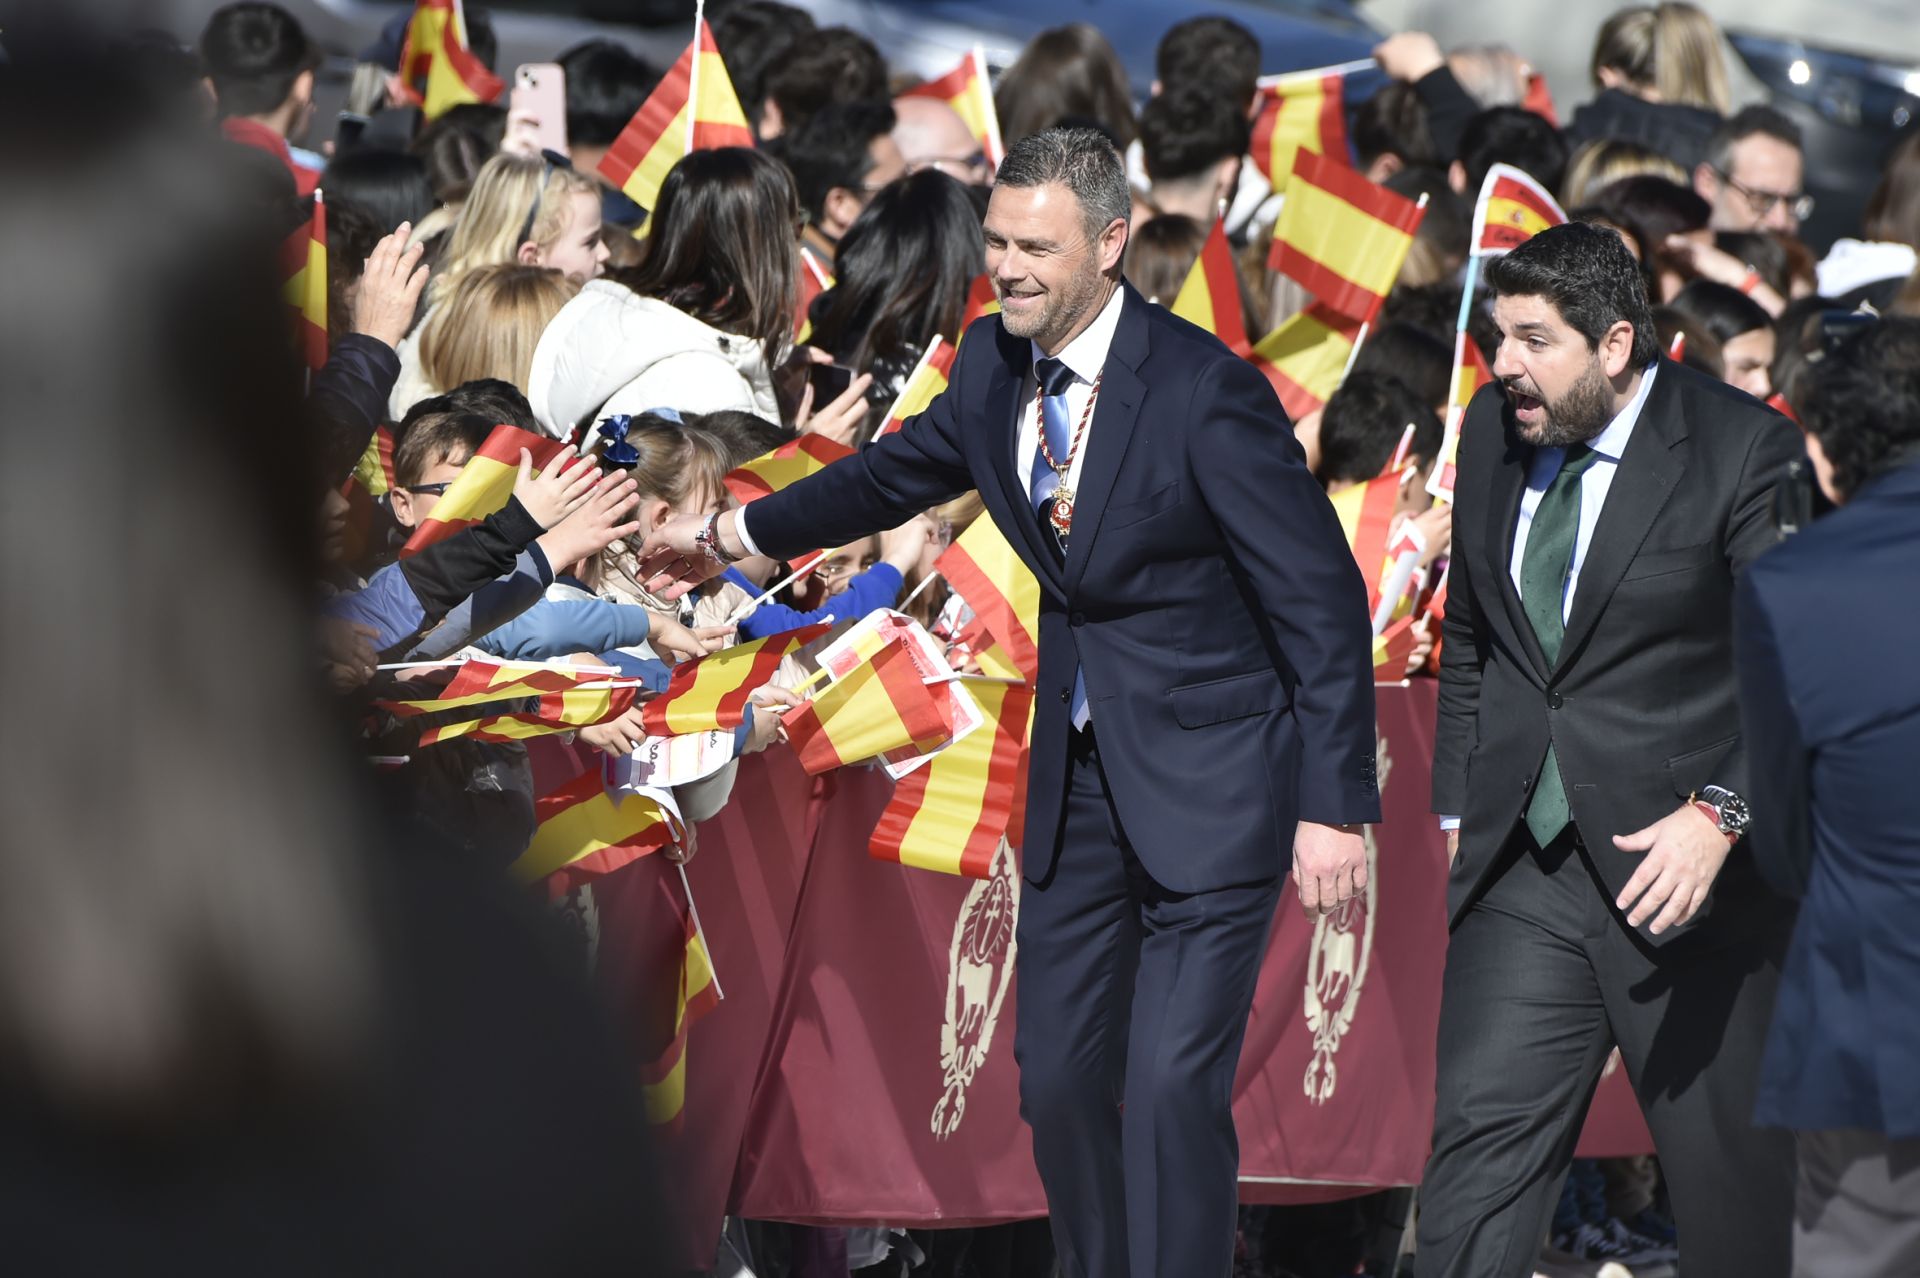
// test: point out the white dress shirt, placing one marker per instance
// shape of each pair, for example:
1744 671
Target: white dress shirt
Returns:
1608 446
1086 355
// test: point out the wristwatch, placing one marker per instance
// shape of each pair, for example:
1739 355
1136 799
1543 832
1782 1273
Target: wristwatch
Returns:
708 541
1728 810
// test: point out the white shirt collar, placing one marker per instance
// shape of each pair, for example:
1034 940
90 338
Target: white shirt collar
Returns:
1086 354
1611 443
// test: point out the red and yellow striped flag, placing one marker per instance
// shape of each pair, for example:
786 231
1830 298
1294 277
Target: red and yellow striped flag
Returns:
1342 237
438 66
1512 209
1391 649
1306 357
982 301
585 831
372 479
968 91
303 268
815 279
555 712
951 813
710 693
1304 111
770 472
1366 514
881 705
1002 591
485 483
1470 371
663 1083
483 679
1210 297
693 109
923 385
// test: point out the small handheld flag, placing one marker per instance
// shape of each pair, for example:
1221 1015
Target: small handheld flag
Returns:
711 692
485 484
1342 237
303 267
1210 297
968 91
1301 111
693 109
882 705
1512 209
770 472
923 385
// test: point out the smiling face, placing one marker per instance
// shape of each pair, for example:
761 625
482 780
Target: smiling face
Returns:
1051 278
1560 386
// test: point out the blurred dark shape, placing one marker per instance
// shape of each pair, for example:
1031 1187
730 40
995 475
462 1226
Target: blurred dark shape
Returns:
391 187
1066 74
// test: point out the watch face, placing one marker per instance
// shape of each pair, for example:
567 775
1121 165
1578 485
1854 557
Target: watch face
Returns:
1733 814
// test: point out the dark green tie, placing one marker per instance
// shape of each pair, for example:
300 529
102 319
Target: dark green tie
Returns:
1544 566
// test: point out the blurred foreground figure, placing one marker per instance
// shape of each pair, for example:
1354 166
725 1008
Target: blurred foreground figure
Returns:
242 1029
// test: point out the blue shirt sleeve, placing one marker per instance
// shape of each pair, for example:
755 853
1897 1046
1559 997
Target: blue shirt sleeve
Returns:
557 627
877 587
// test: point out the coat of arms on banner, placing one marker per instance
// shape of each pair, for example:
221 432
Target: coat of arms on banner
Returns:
1337 965
979 973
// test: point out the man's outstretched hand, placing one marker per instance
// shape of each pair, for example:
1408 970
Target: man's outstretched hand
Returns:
671 564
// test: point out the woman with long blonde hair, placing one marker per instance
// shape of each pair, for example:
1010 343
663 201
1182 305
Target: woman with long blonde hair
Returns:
490 323
1661 72
535 211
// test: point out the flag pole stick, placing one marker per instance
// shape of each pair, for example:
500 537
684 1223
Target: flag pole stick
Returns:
713 974
746 609
1318 73
693 77
1359 340
991 117
918 590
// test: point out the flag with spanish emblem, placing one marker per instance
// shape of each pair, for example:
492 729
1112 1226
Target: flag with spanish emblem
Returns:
585 830
438 66
923 385
485 483
984 570
710 693
303 272
1306 357
968 91
554 712
770 472
815 279
1210 297
1512 209
663 1080
693 109
1302 111
1342 237
950 814
880 705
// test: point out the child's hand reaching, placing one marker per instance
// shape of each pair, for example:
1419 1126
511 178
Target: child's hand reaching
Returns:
595 523
559 490
678 643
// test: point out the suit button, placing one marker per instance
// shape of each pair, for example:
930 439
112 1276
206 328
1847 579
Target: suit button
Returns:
1554 701
1077 619
1066 696
1526 783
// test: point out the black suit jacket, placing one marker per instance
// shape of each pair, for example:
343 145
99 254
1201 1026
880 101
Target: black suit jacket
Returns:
1641 706
1207 592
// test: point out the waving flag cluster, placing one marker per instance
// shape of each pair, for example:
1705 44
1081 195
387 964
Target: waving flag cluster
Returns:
952 814
711 692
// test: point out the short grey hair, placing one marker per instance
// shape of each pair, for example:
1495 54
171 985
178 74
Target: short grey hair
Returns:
1083 161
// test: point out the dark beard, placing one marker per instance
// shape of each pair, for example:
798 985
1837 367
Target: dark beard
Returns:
1576 416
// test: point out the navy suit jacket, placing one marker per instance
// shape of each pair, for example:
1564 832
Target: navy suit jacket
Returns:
1207 592
1830 696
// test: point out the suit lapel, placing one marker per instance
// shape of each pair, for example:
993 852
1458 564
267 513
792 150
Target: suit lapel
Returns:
1648 472
1121 392
1503 515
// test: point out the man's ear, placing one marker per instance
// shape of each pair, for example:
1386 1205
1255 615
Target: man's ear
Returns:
1386 164
772 123
302 88
1616 349
1706 183
402 502
1113 245
1457 178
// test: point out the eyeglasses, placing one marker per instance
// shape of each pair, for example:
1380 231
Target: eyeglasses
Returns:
553 160
834 571
429 490
970 167
1800 205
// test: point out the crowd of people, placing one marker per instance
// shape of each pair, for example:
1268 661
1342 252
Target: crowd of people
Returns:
475 281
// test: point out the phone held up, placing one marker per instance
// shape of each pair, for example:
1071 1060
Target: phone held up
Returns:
538 107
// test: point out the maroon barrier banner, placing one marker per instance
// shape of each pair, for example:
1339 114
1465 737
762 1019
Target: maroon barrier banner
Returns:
860 1069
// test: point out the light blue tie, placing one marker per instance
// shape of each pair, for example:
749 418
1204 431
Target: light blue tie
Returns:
1054 378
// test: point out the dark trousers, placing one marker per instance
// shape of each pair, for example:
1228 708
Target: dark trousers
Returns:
1543 980
1133 1004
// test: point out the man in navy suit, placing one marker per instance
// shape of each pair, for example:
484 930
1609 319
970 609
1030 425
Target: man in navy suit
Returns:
1830 697
1205 694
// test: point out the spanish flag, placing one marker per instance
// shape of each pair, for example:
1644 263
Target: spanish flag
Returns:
586 831
968 91
951 813
1304 111
710 692
1366 513
554 712
815 279
693 109
479 680
485 483
770 472
1470 371
1391 649
1513 208
437 55
1342 236
923 385
303 268
1002 591
881 705
982 301
1211 295
372 479
1306 357
663 1084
